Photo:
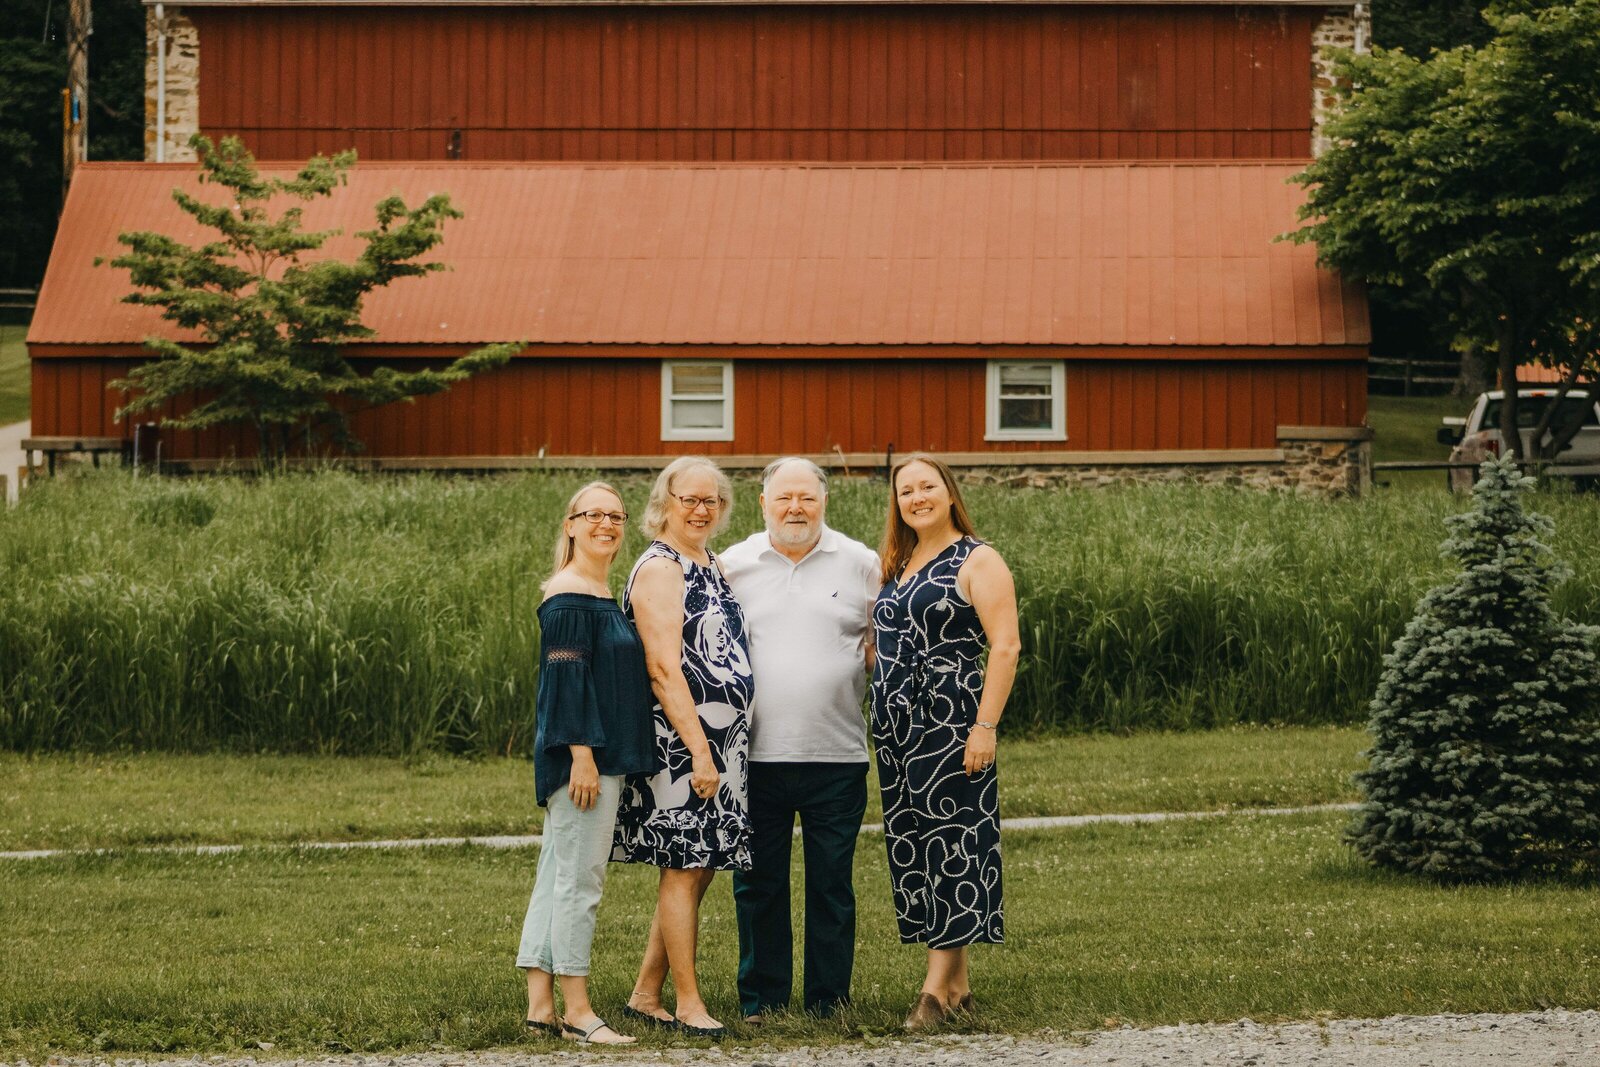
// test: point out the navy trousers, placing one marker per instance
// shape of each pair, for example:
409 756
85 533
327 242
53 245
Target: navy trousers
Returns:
830 799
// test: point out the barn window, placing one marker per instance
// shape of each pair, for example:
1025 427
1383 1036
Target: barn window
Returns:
696 400
1027 401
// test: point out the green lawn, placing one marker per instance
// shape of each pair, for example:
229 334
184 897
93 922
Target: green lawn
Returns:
1266 917
311 952
14 380
1405 429
92 801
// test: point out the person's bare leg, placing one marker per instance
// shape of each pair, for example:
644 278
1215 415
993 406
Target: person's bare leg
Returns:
943 966
580 1013
541 996
679 912
958 985
646 995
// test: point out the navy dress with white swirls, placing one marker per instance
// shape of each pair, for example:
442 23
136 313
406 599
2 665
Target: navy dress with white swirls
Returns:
661 821
942 828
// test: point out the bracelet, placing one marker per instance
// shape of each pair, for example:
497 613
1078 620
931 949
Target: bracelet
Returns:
986 725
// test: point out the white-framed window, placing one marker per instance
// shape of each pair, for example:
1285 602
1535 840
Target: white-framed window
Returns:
696 400
1027 401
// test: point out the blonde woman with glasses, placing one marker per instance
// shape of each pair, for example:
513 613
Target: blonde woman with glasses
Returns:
593 726
689 818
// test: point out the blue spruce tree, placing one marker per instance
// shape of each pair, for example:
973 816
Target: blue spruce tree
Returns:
1485 761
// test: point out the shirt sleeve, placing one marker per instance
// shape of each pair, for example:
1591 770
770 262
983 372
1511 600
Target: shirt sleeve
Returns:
567 705
871 584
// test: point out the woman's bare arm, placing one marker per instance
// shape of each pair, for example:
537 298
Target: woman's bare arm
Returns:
657 601
986 581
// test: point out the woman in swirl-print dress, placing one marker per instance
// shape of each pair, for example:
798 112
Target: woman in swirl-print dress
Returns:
690 818
935 709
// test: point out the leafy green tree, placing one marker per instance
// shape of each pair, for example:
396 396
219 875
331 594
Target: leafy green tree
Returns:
1485 760
273 321
1468 180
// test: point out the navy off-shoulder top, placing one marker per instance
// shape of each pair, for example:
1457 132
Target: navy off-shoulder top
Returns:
593 690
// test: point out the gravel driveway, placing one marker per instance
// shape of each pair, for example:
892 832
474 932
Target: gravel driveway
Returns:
1537 1039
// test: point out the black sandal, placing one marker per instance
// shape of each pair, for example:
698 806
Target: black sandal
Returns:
550 1029
630 1012
715 1033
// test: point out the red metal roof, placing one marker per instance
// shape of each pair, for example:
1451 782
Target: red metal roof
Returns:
1035 254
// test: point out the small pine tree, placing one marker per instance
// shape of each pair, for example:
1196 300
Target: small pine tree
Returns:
274 322
1485 761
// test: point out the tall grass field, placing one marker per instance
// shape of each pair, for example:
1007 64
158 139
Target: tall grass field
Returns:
334 613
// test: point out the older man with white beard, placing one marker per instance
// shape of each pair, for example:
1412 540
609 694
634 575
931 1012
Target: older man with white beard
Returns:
807 593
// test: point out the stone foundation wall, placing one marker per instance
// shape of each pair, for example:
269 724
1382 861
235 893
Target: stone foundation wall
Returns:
1312 465
1348 28
183 84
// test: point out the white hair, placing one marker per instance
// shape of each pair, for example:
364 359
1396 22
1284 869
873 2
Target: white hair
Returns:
783 461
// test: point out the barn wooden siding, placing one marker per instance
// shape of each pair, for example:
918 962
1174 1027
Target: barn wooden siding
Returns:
612 407
761 83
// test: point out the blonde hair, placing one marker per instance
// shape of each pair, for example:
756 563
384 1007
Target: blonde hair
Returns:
899 539
655 511
566 546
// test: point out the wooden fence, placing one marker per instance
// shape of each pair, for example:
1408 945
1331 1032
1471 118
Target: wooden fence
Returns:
1415 377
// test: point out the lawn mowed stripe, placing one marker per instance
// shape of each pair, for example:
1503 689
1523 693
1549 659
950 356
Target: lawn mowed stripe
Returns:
14 375
1270 918
114 801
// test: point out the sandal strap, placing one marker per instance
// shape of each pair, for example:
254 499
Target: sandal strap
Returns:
587 1035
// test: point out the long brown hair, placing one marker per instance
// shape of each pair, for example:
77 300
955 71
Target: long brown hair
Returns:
565 547
899 539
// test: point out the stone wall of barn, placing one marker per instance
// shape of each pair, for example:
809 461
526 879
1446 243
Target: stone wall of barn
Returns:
182 88
1311 460
1346 28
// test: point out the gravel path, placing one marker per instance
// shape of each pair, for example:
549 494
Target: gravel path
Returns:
1537 1039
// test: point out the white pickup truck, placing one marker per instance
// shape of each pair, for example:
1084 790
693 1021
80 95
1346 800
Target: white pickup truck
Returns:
1482 425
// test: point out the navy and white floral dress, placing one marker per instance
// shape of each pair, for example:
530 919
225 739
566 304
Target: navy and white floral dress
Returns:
942 827
661 821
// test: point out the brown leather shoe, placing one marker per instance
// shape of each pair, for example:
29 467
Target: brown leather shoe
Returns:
927 1014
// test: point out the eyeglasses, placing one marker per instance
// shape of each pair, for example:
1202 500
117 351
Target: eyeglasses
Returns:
689 503
594 515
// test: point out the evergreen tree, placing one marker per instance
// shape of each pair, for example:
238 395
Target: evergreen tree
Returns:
1486 723
273 322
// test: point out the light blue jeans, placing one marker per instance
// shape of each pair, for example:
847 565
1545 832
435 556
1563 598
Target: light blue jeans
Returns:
559 927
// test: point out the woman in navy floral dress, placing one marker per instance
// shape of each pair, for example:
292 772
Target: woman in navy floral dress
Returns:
935 709
690 818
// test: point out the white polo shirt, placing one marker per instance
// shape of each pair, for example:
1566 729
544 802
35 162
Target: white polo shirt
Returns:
808 624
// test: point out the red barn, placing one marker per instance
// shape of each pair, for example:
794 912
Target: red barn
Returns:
1032 233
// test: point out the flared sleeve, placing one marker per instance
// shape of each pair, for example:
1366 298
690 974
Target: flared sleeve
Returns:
567 706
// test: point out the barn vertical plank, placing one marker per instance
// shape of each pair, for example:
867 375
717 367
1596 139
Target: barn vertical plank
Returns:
625 85
651 80
686 115
608 76
831 55
1266 41
1355 388
992 85
1051 75
1164 33
712 110
475 108
1009 46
